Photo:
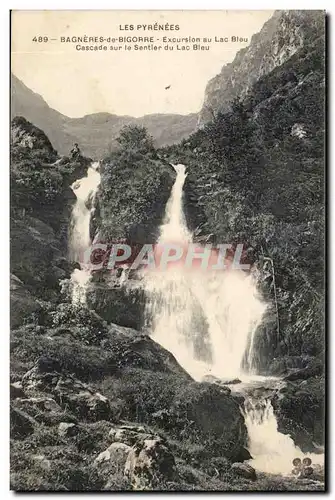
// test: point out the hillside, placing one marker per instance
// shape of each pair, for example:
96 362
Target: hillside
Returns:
256 177
85 390
278 40
96 133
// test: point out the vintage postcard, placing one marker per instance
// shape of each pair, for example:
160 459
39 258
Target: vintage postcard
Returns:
167 250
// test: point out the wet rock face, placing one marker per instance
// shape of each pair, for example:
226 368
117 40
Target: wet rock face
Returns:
299 408
124 306
279 39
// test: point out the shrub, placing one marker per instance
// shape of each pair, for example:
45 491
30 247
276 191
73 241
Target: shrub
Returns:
89 327
144 392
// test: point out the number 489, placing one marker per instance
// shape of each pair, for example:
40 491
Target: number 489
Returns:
40 39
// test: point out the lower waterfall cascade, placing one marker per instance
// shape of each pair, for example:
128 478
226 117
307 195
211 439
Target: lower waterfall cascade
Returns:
208 322
272 451
85 190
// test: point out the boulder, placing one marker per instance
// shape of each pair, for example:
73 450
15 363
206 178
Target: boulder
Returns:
21 424
43 403
67 429
117 304
211 379
138 350
244 470
93 407
69 393
42 376
42 462
43 409
82 400
128 434
207 412
150 462
16 390
231 381
116 452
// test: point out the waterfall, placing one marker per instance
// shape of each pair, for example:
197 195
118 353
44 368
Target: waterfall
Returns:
273 451
79 239
207 319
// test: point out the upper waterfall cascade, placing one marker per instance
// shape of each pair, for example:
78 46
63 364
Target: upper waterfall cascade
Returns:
206 319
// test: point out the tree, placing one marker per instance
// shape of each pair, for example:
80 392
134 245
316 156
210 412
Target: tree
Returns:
136 139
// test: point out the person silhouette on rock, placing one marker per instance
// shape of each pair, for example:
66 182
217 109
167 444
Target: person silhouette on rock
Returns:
75 151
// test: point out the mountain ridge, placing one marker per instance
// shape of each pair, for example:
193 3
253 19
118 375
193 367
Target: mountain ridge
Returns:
64 131
278 40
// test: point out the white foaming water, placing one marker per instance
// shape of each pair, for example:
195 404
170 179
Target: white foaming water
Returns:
207 319
272 451
85 190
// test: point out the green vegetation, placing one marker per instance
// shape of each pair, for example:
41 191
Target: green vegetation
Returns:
256 176
135 187
39 177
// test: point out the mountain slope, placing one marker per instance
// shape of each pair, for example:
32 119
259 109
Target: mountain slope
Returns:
95 133
279 39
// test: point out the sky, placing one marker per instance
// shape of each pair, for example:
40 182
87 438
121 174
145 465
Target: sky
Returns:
124 82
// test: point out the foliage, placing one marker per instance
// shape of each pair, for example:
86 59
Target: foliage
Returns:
144 392
87 362
135 187
39 178
252 180
136 139
90 328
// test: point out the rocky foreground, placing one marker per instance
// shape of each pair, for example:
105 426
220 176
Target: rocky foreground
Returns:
102 407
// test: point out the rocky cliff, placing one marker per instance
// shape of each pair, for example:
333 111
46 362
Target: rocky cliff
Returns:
41 203
281 37
256 177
